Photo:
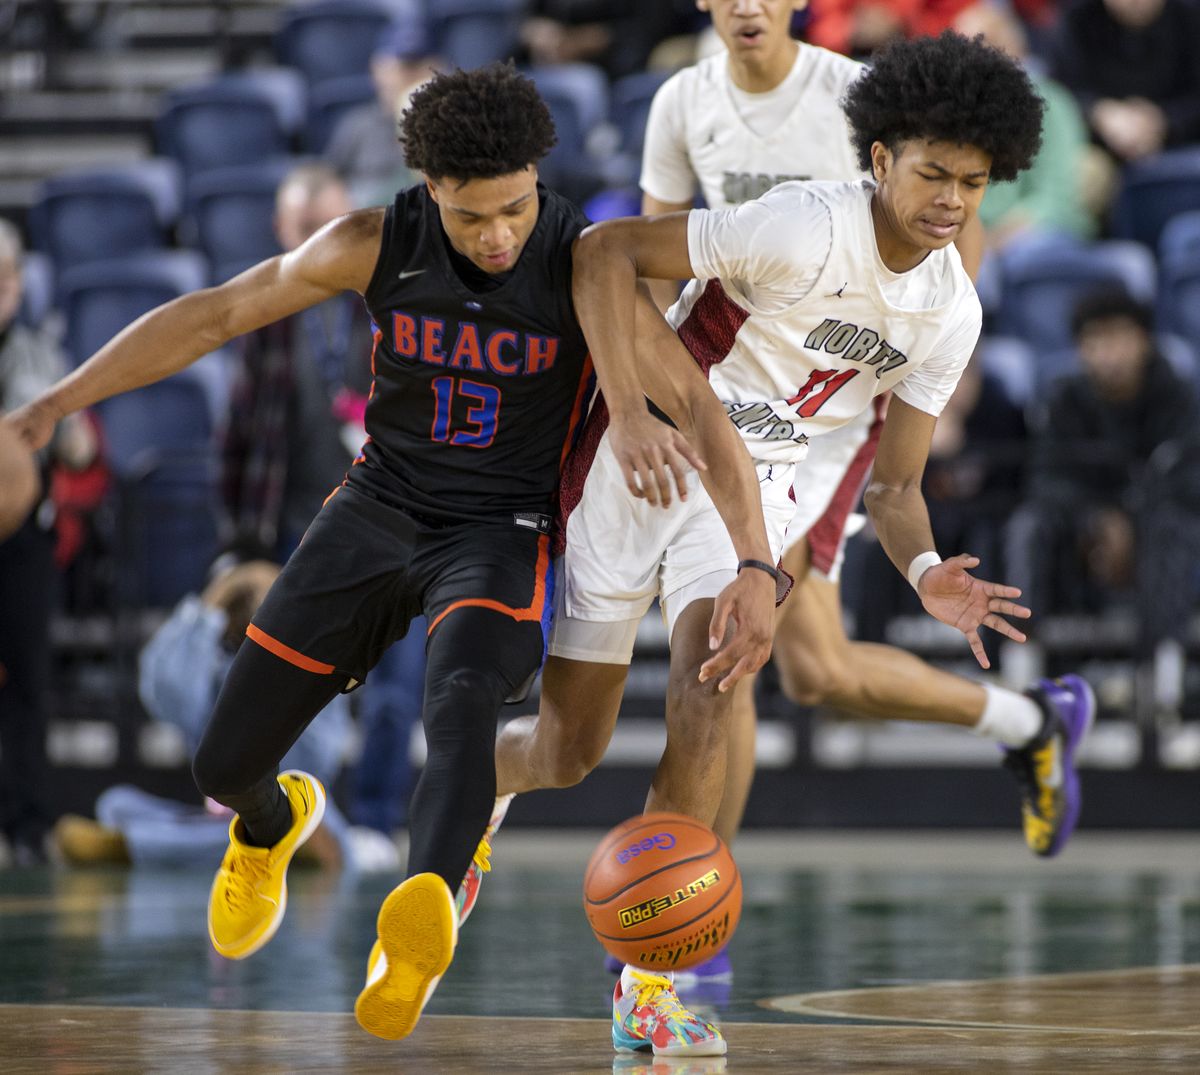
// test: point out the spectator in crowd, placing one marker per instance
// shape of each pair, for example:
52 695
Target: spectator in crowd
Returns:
1112 509
1046 199
616 35
363 148
29 362
971 484
180 671
1134 68
295 420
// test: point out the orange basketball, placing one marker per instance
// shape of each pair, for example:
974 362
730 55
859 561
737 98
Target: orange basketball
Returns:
662 892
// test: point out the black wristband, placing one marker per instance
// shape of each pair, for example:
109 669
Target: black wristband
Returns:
762 565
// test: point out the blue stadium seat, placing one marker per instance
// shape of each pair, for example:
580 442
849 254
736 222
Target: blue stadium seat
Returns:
577 96
235 119
37 295
1180 238
328 102
106 212
614 202
1155 190
230 215
100 299
1179 297
1043 281
631 99
1013 363
470 33
333 38
170 416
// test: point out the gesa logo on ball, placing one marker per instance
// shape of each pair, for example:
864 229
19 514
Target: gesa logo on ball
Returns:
652 908
660 841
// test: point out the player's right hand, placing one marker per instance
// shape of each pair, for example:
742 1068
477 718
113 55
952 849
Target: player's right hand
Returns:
748 601
33 424
652 456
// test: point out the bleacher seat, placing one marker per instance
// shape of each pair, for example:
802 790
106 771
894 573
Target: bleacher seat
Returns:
1155 190
1043 281
577 96
106 212
631 98
470 33
333 38
1179 297
235 119
159 442
1180 238
230 215
1013 363
328 102
37 294
100 299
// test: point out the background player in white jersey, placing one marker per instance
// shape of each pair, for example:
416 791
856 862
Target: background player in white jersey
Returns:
803 306
734 125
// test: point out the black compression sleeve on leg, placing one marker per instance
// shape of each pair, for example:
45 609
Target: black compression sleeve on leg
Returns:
264 705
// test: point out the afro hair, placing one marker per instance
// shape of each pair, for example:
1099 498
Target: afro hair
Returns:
947 89
476 124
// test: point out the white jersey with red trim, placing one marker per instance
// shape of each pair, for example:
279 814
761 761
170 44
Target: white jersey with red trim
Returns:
737 145
799 324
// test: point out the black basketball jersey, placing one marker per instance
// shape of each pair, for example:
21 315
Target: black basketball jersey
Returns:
477 396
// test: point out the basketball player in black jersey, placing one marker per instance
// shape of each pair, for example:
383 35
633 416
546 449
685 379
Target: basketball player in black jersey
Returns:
482 377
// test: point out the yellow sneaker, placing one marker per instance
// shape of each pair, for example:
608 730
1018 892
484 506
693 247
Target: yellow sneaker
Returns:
249 893
418 929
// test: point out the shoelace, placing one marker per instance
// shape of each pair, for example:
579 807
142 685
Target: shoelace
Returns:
245 873
658 992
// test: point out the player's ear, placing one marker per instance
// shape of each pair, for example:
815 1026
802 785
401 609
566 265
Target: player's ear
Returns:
702 5
799 5
881 161
431 187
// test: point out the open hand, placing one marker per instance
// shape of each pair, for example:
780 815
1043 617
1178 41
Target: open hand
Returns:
951 595
748 602
652 455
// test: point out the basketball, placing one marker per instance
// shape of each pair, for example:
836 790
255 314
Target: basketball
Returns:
662 892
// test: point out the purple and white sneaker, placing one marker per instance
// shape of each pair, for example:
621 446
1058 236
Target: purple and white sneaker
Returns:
1045 767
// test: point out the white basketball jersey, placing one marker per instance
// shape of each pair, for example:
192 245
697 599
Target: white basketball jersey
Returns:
799 324
696 131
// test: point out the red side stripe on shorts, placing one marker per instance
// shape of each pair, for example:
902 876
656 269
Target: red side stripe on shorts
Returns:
826 535
273 645
535 609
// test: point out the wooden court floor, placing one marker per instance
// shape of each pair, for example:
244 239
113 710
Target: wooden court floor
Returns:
921 953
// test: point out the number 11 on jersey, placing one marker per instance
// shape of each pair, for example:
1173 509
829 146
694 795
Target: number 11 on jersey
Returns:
478 428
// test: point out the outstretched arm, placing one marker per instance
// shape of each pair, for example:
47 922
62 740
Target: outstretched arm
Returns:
607 261
897 508
340 257
674 382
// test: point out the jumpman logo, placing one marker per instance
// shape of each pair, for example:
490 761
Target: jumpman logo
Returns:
838 293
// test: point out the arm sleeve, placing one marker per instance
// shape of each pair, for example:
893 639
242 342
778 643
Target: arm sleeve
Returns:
932 383
666 168
774 252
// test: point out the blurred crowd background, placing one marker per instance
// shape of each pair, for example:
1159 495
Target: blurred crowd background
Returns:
151 147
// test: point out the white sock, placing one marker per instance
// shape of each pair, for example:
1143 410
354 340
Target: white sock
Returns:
1008 717
628 981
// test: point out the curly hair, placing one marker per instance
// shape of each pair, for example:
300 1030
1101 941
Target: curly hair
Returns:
947 89
476 124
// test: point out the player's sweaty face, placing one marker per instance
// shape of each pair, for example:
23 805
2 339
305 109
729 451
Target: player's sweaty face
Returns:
749 26
488 220
928 190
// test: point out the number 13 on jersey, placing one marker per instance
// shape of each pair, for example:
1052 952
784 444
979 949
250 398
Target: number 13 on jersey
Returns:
482 402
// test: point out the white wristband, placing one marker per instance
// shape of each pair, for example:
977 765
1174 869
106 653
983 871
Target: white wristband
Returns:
919 566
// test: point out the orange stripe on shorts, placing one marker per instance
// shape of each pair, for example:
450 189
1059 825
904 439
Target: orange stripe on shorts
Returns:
532 612
273 645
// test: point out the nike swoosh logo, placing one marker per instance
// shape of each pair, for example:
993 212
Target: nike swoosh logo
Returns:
410 272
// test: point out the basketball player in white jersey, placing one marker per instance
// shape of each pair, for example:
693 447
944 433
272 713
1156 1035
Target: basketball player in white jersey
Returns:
803 306
734 125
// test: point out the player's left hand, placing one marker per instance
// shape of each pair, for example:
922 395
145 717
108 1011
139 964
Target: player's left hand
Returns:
652 455
749 603
951 595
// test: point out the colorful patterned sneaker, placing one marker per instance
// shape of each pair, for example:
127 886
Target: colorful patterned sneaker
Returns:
468 891
418 930
1045 767
249 893
650 1017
